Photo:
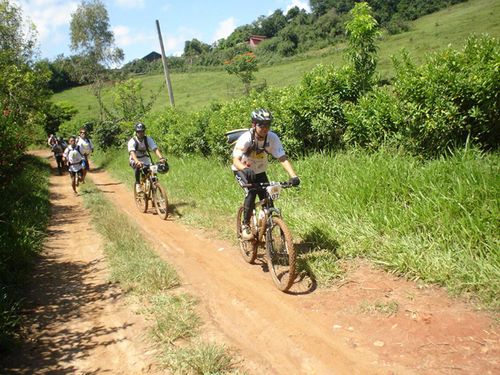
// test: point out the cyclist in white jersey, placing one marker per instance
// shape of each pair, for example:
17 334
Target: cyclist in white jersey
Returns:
138 148
73 157
250 161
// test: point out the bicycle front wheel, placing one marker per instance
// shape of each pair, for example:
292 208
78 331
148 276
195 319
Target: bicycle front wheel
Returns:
248 249
281 256
160 201
141 200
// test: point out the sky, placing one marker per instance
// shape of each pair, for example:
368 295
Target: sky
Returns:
133 22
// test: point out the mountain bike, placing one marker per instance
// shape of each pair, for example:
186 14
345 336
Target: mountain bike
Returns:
271 233
151 190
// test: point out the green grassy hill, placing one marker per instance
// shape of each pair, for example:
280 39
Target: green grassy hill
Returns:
192 91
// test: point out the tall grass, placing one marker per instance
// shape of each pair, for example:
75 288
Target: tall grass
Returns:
140 272
24 214
433 220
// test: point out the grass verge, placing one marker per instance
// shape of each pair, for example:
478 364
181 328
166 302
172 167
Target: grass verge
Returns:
138 270
433 220
24 214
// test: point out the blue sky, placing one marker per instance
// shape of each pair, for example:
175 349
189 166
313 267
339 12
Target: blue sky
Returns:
133 22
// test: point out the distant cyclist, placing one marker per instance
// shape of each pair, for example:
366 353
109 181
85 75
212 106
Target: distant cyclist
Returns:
73 157
51 141
87 147
58 150
250 161
138 148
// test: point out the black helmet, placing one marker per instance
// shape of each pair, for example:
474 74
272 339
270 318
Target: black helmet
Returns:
261 115
163 167
140 127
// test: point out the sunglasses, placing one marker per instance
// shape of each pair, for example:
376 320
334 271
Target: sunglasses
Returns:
264 124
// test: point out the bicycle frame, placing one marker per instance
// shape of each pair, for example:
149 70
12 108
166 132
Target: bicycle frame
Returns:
148 172
151 190
270 231
267 206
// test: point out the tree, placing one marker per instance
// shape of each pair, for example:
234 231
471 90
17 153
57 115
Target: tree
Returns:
270 26
362 29
92 39
23 88
243 66
195 48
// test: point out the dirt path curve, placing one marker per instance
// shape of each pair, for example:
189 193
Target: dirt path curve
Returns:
77 323
345 330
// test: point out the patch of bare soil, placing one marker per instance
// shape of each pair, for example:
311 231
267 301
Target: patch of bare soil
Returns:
75 321
371 323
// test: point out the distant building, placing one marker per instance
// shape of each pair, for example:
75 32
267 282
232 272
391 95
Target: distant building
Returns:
152 57
254 40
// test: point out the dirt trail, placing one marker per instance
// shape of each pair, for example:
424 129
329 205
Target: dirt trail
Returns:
76 322
81 325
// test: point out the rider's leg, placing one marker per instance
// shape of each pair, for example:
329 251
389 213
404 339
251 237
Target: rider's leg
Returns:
137 175
250 194
73 180
85 168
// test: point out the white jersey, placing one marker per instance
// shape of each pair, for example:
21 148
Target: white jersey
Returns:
86 145
140 149
74 157
257 159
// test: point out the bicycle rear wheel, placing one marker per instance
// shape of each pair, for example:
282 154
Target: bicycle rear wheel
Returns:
160 201
248 249
141 200
281 256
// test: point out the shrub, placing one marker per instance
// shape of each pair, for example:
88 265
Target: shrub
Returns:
372 121
452 97
108 134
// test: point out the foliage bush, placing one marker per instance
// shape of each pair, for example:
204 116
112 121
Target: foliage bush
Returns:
373 121
21 236
452 98
108 134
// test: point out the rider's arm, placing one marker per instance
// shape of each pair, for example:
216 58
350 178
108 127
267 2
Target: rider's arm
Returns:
239 150
285 163
134 157
238 163
158 153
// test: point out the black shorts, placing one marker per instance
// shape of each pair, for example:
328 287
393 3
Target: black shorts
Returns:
79 173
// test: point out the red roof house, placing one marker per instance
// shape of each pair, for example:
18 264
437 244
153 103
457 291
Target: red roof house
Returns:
254 40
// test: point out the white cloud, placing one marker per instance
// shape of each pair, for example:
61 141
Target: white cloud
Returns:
130 4
301 4
225 28
48 16
125 37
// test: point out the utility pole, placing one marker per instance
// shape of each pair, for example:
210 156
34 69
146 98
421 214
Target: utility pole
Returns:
165 67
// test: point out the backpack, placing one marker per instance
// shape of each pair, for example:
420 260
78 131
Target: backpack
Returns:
77 149
136 145
233 135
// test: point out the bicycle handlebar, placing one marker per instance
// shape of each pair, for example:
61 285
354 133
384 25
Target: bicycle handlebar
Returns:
261 185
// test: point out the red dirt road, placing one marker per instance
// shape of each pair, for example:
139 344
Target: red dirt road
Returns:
334 331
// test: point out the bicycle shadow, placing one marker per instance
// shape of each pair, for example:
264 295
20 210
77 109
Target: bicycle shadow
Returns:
317 245
304 283
173 209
